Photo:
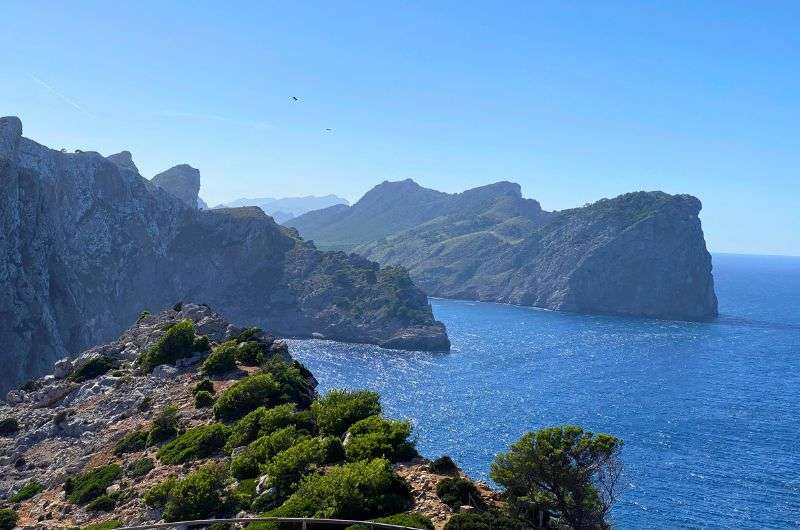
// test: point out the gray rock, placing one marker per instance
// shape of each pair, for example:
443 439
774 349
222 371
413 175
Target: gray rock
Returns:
317 335
62 368
51 394
182 182
165 371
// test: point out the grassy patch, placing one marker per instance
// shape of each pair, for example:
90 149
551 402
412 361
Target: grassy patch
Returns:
27 491
85 487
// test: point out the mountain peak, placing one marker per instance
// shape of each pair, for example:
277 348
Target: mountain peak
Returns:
10 133
181 181
124 159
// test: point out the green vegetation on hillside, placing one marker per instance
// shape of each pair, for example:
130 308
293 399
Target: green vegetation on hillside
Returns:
178 342
85 487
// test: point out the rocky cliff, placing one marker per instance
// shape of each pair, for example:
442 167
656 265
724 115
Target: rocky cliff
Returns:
181 181
640 254
86 243
95 441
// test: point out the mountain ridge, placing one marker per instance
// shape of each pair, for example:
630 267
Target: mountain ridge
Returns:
639 254
89 244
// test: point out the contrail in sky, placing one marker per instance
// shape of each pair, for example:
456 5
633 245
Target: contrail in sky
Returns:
59 95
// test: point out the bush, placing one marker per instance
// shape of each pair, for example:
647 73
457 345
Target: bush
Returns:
198 496
263 421
377 437
482 521
131 442
8 426
244 494
103 503
31 489
247 464
222 359
296 382
204 386
411 520
200 442
248 394
287 467
8 519
359 490
95 367
249 354
337 410
178 342
165 426
140 468
249 334
443 465
457 492
203 399
86 487
107 525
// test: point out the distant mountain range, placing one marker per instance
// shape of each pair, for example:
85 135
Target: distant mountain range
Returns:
640 254
287 208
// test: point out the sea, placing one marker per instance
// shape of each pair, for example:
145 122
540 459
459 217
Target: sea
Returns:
709 412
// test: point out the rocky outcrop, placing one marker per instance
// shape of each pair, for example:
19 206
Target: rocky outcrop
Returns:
66 427
640 254
124 159
181 181
86 244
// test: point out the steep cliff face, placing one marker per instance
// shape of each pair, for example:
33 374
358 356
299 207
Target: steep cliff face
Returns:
640 254
86 243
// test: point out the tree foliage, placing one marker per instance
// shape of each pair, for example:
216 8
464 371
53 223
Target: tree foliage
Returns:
563 470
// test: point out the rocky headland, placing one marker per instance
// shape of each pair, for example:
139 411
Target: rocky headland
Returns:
88 243
187 416
639 254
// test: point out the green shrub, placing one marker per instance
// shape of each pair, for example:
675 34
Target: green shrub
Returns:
103 503
263 421
95 367
204 386
140 468
165 426
296 382
483 521
107 525
360 490
31 489
8 519
443 465
287 467
244 494
411 520
203 400
221 360
131 442
196 443
457 492
178 342
246 464
249 334
248 394
87 486
337 410
8 426
377 437
198 496
249 354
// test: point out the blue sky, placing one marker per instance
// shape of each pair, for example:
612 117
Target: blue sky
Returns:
574 100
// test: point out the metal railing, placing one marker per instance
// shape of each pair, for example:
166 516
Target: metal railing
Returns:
304 523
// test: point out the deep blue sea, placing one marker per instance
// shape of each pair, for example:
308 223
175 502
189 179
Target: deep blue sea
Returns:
709 412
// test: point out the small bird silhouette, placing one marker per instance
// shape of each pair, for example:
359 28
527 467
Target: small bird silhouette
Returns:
328 130
294 98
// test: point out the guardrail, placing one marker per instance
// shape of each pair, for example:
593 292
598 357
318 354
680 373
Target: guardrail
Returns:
304 523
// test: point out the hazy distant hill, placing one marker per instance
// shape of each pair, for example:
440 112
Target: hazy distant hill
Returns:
288 207
638 254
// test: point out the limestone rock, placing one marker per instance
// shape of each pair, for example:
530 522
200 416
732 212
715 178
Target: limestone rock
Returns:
182 181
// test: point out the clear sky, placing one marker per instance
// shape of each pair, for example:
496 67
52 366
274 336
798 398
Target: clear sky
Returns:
574 100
